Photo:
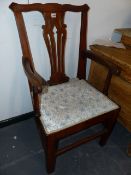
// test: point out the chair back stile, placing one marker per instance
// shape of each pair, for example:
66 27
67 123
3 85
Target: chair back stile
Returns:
26 51
81 73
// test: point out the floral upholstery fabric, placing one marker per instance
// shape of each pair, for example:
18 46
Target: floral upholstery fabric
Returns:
70 103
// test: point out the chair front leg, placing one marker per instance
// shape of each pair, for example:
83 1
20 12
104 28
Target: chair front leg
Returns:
51 149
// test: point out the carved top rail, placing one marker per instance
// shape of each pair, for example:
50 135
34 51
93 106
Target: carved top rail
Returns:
53 15
49 7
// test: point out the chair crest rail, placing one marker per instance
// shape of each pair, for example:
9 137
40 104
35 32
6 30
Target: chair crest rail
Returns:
47 7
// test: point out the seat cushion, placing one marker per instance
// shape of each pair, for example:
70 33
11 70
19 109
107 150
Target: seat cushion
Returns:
71 103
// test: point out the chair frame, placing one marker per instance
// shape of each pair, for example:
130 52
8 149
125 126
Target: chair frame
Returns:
36 82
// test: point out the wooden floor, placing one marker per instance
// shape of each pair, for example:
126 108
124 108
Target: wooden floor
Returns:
21 153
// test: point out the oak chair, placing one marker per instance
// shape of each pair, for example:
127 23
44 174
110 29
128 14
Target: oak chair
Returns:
69 106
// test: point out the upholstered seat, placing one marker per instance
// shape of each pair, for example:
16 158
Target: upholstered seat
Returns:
71 103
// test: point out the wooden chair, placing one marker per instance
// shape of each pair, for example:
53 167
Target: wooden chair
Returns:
73 105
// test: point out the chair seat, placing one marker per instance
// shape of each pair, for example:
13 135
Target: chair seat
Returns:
71 103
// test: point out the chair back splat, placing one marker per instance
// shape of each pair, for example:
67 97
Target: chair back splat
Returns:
53 15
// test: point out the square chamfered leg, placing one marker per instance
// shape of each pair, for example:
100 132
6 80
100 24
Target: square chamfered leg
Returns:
50 152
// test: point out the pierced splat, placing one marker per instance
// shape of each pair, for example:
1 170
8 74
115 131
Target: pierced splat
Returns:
54 32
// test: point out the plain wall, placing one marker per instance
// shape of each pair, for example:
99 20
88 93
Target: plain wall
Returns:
104 17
